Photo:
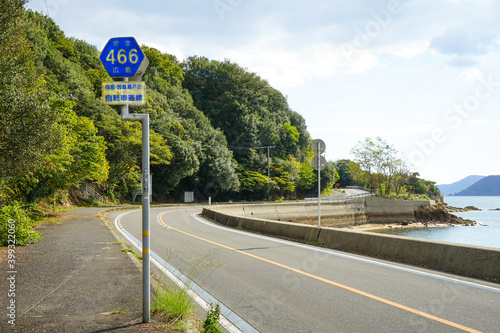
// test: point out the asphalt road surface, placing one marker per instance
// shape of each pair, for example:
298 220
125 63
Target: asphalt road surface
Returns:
275 285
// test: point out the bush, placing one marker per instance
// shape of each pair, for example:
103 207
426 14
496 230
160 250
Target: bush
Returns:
210 323
14 217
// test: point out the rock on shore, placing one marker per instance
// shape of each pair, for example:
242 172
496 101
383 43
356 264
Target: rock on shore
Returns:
438 213
460 210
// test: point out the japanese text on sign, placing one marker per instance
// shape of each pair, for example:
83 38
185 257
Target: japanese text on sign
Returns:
124 93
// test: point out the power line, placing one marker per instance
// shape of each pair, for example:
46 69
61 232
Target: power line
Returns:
243 148
47 7
263 147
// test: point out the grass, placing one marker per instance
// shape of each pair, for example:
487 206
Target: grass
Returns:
172 305
138 256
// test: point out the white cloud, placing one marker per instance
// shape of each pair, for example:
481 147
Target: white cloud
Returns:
289 67
471 75
406 50
464 42
417 129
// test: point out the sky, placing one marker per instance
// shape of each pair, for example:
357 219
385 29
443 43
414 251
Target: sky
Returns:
423 75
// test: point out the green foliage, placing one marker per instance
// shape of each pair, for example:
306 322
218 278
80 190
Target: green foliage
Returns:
137 256
308 177
346 177
254 185
16 225
377 166
172 304
415 185
328 176
200 152
251 114
124 141
245 107
289 135
79 158
59 135
28 123
210 324
286 175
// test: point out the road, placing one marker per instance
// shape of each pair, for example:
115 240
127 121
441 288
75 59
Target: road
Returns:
275 285
354 191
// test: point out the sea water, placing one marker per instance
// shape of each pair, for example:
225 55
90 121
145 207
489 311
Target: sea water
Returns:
485 233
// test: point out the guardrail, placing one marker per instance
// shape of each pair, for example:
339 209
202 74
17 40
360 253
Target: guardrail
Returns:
347 197
359 188
90 191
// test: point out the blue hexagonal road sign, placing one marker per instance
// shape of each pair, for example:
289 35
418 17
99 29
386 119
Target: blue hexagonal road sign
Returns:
123 58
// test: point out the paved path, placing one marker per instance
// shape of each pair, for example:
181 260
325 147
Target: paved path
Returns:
73 280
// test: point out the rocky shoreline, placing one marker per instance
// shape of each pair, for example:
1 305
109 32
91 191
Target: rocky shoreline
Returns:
438 215
451 209
442 214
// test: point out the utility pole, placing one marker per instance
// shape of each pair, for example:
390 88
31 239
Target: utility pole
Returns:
318 146
268 163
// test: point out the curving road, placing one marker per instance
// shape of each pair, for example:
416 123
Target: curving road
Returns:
273 285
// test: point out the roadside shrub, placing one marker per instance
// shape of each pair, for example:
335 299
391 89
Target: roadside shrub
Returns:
210 324
14 217
172 304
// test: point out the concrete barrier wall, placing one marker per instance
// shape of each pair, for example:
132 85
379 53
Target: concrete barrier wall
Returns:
467 260
356 211
289 230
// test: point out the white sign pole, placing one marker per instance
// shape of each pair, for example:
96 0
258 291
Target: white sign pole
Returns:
318 147
319 185
146 288
132 67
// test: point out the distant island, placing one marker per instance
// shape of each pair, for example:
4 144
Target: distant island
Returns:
451 189
473 186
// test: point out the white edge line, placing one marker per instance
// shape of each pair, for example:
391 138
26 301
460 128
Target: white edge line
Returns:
310 248
228 325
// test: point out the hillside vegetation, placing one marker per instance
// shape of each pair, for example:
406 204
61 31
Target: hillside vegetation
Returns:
215 128
213 125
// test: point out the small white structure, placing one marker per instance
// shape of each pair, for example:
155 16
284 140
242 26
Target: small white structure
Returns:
188 197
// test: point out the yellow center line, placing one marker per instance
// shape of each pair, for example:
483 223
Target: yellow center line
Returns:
336 284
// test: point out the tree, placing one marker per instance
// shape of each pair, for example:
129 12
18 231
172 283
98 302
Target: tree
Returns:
80 158
401 174
254 186
285 174
201 157
252 115
346 178
379 166
124 142
67 137
28 124
244 106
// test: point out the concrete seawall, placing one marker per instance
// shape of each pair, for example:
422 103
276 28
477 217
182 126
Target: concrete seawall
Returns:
336 213
467 260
